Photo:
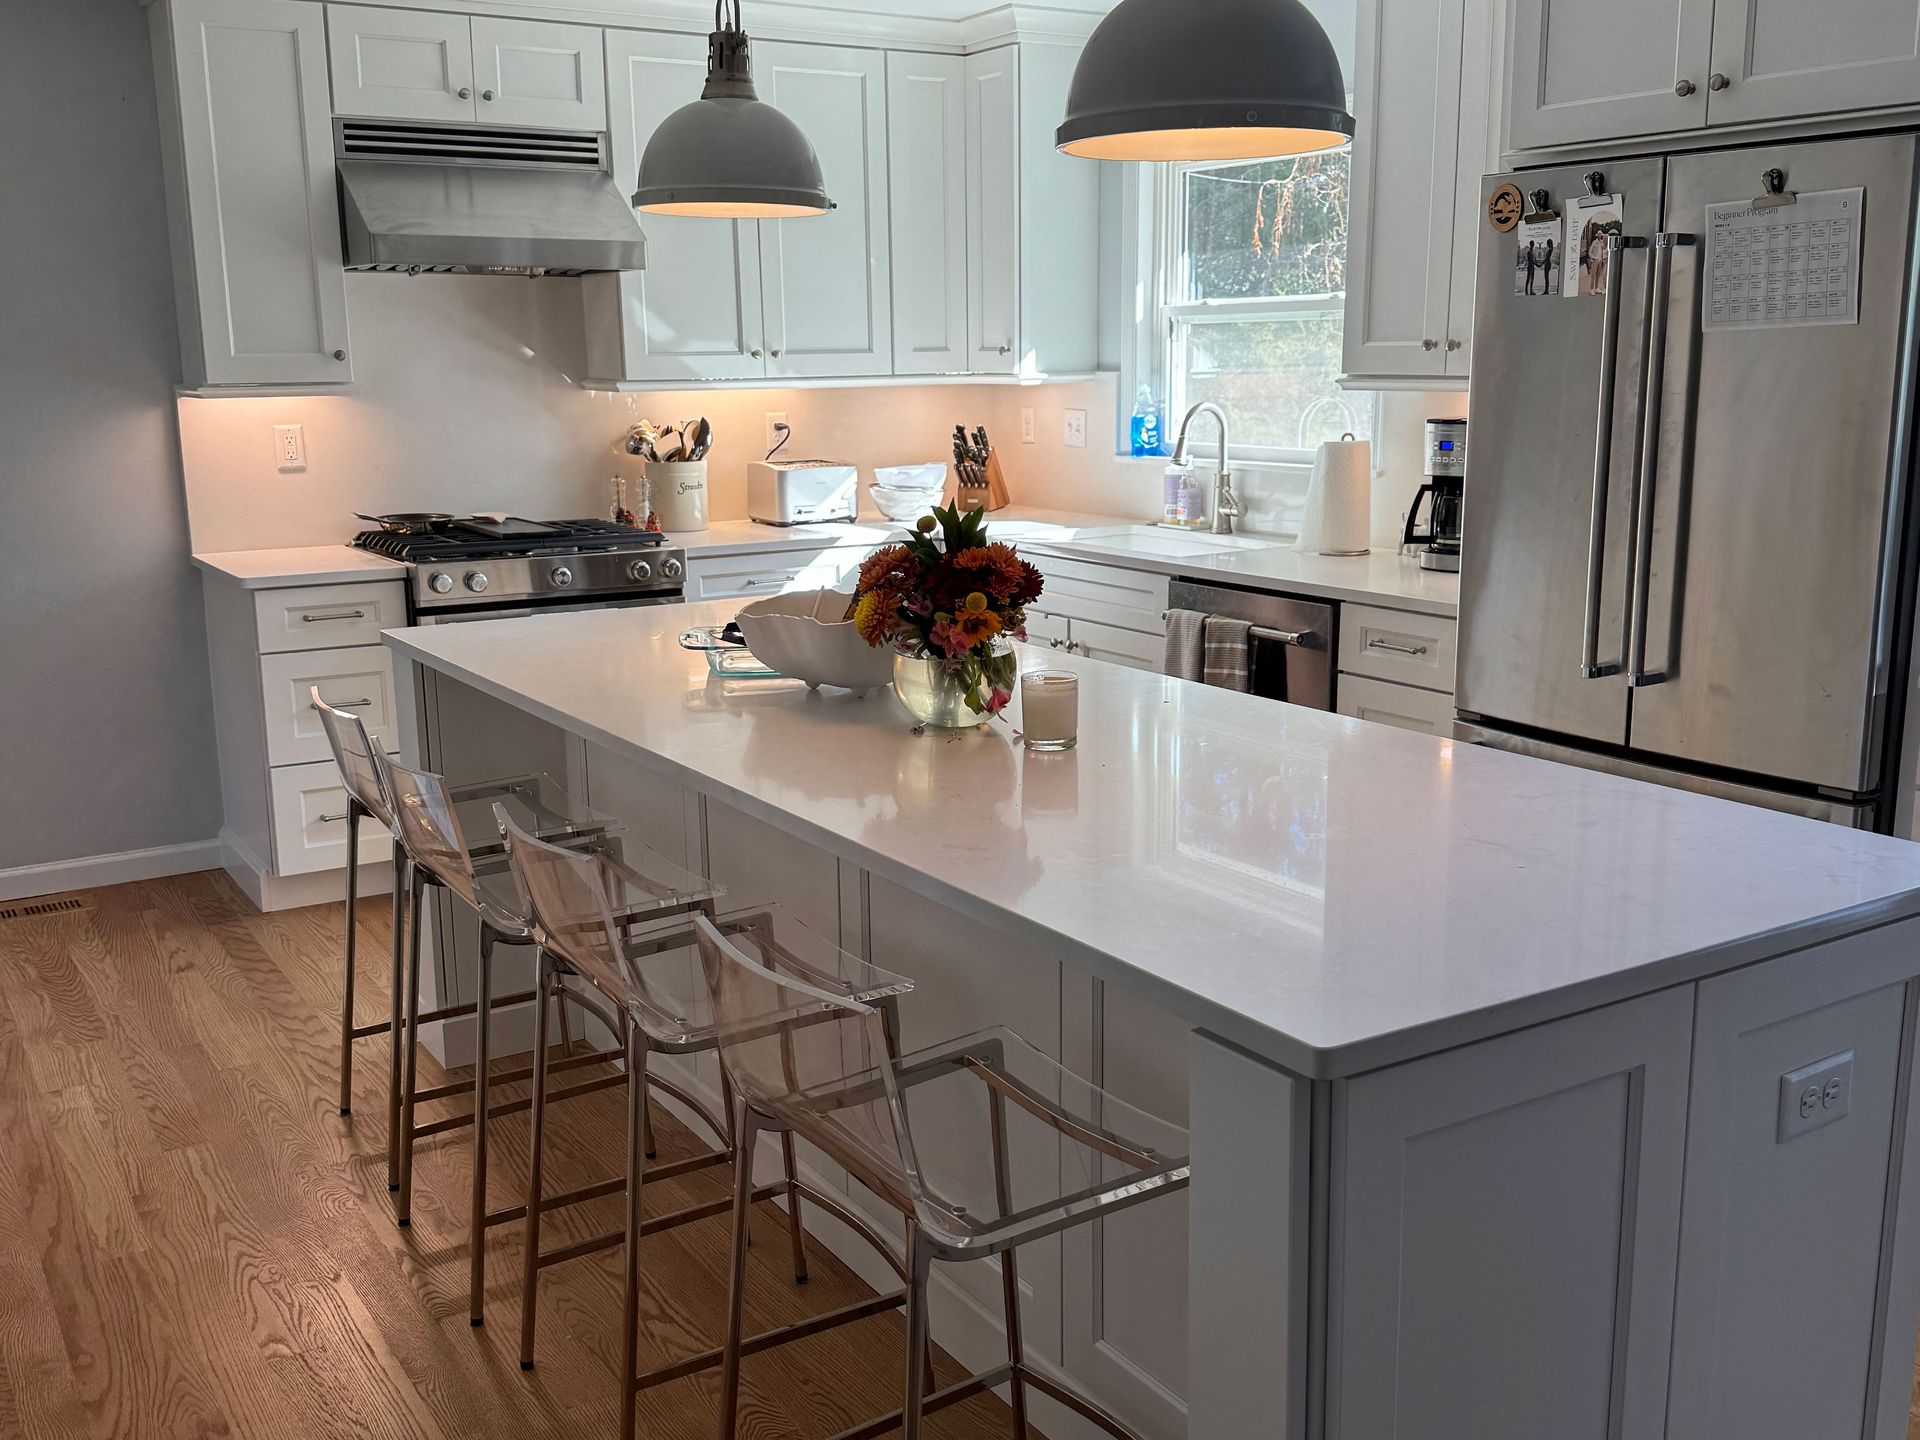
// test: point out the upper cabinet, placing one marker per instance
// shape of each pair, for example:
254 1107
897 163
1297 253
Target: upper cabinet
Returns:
1594 71
423 65
927 171
254 215
1424 88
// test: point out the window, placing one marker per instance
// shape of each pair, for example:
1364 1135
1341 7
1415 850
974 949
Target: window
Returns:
1252 280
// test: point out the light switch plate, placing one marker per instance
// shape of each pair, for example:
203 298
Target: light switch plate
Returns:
1027 433
1815 1095
1076 436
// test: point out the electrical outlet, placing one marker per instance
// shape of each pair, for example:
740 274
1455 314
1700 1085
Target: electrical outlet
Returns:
290 447
1076 436
777 429
1028 433
1815 1095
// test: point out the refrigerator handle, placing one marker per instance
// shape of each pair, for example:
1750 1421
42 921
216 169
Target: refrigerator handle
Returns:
1664 245
1590 665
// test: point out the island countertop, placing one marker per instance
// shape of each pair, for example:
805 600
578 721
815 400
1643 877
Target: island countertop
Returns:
1329 894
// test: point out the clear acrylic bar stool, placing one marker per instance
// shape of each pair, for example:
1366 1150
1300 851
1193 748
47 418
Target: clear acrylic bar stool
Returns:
1043 1151
429 816
652 977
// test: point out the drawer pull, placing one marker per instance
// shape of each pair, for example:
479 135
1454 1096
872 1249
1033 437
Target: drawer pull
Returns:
1396 648
331 819
348 704
312 619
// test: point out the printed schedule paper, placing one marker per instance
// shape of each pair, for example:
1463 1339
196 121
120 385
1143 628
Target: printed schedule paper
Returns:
1785 265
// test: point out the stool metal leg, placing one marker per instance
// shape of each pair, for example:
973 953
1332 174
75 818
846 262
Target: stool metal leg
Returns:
749 1138
795 1227
482 1050
410 1077
636 1045
530 1278
1009 1271
919 1331
397 1013
354 812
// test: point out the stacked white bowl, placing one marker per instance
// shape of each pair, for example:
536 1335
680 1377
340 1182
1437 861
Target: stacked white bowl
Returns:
906 492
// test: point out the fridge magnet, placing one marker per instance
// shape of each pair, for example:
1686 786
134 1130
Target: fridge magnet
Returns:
1589 223
1504 208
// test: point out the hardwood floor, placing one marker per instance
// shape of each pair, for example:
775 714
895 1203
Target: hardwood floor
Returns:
194 1243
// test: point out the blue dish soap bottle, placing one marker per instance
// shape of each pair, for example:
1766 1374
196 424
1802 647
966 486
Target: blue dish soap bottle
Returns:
1148 436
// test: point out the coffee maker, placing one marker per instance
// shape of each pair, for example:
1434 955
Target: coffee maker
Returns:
1446 487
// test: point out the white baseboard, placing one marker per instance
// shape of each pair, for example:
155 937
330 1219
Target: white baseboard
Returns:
93 871
270 892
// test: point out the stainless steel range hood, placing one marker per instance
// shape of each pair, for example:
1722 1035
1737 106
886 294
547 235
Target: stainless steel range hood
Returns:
465 200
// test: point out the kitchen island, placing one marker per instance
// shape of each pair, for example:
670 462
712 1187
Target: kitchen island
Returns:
1490 1063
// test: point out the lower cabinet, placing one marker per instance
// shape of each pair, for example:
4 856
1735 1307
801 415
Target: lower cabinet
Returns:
757 574
1397 668
1505 1223
1405 707
310 821
1106 612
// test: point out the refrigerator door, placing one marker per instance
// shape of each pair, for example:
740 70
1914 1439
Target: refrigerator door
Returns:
1536 468
1774 490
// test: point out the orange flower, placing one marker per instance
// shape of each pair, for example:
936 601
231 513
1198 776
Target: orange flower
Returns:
874 616
977 625
891 567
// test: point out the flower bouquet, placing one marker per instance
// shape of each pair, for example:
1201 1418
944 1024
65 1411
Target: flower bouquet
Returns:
950 604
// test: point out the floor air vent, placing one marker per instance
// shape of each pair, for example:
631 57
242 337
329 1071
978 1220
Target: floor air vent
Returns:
40 907
467 145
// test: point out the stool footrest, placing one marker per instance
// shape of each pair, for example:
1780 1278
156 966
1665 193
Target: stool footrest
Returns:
940 1399
655 1225
514 1107
450 1012
608 1187
511 1077
768 1340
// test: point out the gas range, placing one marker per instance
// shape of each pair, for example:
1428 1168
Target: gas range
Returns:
479 567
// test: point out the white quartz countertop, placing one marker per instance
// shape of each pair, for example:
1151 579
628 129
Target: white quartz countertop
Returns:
1331 894
304 565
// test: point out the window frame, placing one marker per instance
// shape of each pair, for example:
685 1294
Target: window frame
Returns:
1162 242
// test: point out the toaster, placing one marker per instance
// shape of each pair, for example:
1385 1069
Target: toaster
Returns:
802 492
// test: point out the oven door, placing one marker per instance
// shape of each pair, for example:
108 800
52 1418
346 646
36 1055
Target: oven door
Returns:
521 612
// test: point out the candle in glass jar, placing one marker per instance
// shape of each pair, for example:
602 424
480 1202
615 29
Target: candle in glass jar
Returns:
1050 710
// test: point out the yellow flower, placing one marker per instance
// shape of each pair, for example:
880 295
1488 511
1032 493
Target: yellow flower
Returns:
873 616
976 602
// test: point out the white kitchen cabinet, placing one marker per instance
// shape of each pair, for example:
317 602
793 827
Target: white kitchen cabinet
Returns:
1591 72
424 65
757 574
1775 59
927 169
1506 1231
254 217
1424 87
1405 707
694 313
1033 236
826 282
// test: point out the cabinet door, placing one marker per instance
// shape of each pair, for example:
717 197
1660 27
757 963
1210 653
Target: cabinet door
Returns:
1582 71
1402 706
1779 58
253 155
1506 1222
927 163
530 72
826 281
993 211
1132 648
694 312
1404 161
1482 78
400 64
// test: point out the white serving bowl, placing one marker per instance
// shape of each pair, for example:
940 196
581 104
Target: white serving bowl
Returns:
905 505
806 635
911 477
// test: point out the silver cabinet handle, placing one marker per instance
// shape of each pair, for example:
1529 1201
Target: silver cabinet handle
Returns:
1718 82
347 704
1590 665
339 354
465 92
756 354
1664 246
778 353
1429 344
1396 648
1685 88
486 95
312 619
1006 349
1452 345
331 819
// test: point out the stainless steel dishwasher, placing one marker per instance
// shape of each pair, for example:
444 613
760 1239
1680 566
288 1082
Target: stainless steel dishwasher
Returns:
1294 641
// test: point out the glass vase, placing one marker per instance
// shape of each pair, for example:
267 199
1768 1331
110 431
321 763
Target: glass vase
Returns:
940 694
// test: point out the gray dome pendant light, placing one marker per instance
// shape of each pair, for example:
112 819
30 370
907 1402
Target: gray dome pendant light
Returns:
730 155
1206 80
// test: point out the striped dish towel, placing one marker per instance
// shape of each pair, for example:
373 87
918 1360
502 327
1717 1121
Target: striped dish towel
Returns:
1186 645
1229 654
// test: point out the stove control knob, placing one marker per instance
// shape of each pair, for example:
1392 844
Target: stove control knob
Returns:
640 570
440 584
561 577
673 569
477 581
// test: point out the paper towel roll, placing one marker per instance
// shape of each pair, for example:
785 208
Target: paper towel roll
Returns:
1339 517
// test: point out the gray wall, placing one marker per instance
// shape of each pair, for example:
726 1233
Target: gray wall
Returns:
106 732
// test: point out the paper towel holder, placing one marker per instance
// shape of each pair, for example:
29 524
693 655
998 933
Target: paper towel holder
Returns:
1337 521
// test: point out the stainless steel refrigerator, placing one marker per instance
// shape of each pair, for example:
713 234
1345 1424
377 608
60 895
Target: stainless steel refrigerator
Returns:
1688 552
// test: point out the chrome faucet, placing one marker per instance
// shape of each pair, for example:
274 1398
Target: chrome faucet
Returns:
1226 507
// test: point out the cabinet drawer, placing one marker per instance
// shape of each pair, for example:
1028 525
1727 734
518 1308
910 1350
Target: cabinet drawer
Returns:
360 680
1405 707
1048 630
748 577
1106 594
328 617
1119 647
1393 645
310 825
